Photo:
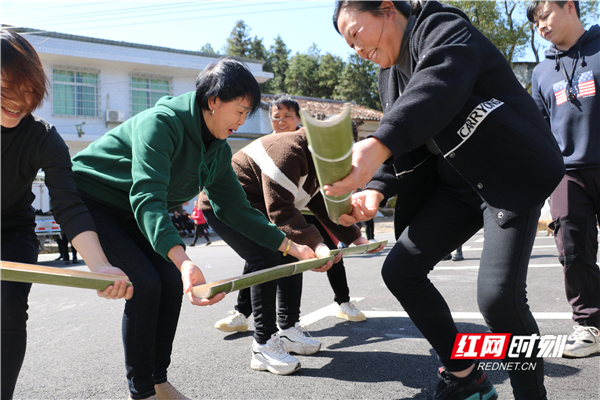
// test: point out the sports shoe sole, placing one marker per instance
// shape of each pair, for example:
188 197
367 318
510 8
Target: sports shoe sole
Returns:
258 363
350 317
583 352
292 347
225 328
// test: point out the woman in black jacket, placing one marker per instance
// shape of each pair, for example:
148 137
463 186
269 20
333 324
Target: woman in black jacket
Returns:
29 144
463 145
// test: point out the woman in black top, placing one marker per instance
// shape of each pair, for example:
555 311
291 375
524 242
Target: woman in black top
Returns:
29 144
463 145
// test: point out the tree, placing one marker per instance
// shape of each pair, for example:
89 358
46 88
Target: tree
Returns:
329 74
300 79
208 49
239 42
504 23
359 83
277 58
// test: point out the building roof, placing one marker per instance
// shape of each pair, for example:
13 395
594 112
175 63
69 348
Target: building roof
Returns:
66 36
327 107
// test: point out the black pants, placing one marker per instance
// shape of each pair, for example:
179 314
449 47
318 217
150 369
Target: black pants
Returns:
370 229
575 209
63 246
150 317
287 292
336 274
501 287
18 245
200 231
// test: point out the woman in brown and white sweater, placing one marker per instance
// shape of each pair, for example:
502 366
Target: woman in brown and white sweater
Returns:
279 178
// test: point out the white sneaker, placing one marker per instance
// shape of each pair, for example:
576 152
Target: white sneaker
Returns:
236 321
272 357
295 340
349 311
584 340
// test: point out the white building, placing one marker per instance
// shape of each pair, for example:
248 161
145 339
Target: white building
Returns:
96 84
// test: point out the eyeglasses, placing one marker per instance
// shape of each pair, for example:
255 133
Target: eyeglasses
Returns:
285 118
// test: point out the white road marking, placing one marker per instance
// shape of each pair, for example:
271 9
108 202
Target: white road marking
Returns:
458 267
330 311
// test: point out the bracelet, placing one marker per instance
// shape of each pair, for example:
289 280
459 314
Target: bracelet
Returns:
287 248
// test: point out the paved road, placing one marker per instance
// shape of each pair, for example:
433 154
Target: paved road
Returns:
75 349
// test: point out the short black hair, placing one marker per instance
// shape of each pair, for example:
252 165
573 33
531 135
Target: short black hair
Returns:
535 4
370 6
283 99
227 79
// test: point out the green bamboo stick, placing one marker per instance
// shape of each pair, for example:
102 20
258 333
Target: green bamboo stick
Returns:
361 248
330 143
255 278
30 273
208 290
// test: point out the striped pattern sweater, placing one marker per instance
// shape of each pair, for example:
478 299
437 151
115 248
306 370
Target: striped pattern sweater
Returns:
279 178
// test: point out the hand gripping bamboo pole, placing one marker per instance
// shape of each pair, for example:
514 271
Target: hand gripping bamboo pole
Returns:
208 290
330 143
31 273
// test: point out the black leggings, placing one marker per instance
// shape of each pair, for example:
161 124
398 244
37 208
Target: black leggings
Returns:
501 293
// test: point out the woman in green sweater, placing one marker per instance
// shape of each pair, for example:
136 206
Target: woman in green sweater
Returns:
133 175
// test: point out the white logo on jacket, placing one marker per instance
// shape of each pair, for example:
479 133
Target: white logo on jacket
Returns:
477 116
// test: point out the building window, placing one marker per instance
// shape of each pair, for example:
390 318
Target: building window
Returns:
74 93
145 92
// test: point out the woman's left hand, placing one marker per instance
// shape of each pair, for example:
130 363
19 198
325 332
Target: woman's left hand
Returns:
119 289
192 276
321 250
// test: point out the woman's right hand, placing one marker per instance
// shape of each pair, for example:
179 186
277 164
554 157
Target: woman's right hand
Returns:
367 157
364 207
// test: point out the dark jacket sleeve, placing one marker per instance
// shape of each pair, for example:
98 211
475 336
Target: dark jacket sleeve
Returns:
69 210
442 81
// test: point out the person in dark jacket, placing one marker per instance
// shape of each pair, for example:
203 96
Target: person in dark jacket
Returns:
564 88
463 145
29 144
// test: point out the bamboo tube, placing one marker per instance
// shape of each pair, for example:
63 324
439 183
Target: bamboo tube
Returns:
30 273
330 143
208 290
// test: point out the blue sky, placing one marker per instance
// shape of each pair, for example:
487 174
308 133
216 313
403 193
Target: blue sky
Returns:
185 25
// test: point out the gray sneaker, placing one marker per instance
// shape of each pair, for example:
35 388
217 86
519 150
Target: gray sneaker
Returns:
584 340
296 341
272 357
235 322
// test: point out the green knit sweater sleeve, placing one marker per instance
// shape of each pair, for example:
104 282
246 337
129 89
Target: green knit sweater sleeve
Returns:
153 143
231 206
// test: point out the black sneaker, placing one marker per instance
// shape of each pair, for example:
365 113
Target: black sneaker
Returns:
476 386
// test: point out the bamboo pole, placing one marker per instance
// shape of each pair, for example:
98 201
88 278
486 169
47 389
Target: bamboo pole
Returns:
208 290
30 273
330 143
